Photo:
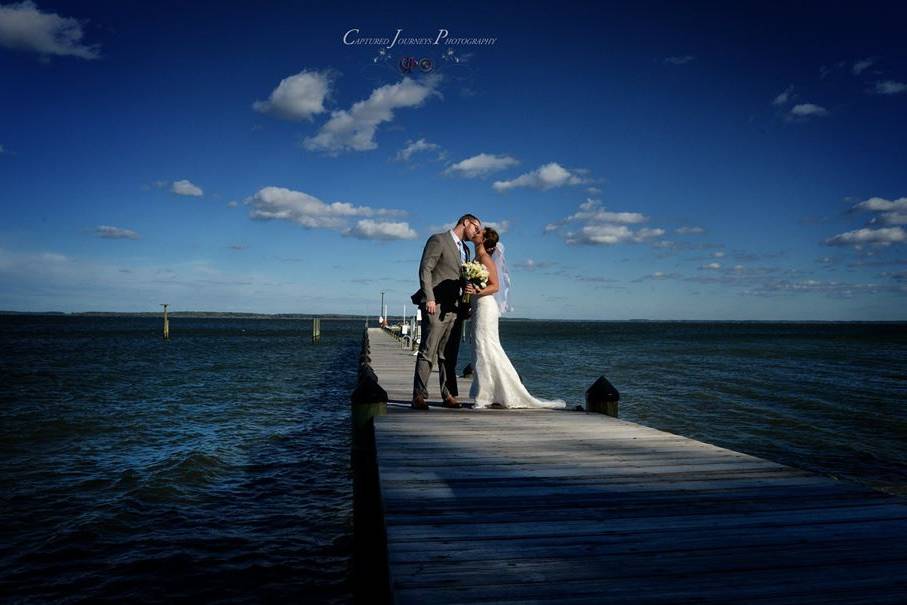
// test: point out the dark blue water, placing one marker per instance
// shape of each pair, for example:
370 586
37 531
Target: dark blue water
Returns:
215 467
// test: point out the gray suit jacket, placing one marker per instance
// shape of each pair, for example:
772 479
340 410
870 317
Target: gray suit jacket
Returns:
439 273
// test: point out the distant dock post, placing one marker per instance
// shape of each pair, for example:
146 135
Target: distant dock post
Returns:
166 323
316 329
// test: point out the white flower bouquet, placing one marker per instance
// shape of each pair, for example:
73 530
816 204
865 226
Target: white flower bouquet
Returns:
473 273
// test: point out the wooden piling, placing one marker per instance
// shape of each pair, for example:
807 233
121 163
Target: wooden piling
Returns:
371 577
316 329
166 323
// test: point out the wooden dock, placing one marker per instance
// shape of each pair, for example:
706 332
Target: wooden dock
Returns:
549 506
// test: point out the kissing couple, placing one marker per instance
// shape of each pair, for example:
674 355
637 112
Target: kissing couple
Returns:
495 382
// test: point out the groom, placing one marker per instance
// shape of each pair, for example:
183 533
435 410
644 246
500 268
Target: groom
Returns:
439 298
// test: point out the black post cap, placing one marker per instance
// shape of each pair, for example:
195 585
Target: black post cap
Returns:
368 391
602 391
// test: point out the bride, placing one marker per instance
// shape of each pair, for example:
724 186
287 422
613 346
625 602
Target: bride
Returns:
495 382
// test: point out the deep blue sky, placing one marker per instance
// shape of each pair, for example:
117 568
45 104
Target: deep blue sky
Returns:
679 185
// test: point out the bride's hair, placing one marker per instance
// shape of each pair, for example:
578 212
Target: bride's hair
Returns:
491 239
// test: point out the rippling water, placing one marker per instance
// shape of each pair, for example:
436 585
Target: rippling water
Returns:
214 467
211 467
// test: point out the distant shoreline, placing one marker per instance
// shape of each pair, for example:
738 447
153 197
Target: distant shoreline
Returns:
341 317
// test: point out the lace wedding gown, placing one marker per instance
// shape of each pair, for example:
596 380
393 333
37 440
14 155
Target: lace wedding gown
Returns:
495 380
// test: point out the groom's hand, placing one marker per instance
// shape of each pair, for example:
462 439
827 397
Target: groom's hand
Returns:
471 289
430 307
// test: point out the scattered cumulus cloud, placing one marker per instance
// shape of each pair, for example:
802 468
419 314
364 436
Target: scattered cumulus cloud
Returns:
381 230
24 27
414 147
298 97
185 187
593 224
807 110
278 203
884 236
679 60
354 129
609 235
548 176
481 164
110 232
888 212
784 96
689 230
232 204
501 227
592 210
890 87
861 66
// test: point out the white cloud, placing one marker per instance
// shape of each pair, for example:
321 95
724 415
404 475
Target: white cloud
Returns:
592 211
861 66
889 212
381 230
878 204
185 187
610 235
413 147
278 203
547 176
689 230
501 227
232 204
890 87
784 96
24 27
109 232
593 190
354 129
298 97
808 110
859 237
894 218
679 60
711 266
481 164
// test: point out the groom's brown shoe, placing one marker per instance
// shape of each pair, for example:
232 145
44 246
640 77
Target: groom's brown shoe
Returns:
419 403
451 402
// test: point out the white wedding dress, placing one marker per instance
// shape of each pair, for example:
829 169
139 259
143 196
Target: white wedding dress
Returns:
494 378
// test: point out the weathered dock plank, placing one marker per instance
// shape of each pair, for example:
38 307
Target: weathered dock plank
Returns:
547 506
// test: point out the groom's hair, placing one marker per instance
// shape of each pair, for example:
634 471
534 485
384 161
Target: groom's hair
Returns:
468 217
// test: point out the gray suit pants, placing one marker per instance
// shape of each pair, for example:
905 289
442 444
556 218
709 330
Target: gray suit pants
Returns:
436 331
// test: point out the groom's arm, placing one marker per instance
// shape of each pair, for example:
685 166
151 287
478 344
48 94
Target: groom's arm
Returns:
430 256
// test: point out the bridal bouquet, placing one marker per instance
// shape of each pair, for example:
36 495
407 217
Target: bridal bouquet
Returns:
473 273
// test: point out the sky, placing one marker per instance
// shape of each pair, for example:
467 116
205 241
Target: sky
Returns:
641 160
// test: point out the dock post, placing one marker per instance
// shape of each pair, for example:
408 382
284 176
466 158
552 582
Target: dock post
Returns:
316 329
371 575
602 398
166 323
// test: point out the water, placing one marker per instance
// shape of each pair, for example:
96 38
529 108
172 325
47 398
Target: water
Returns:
215 467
